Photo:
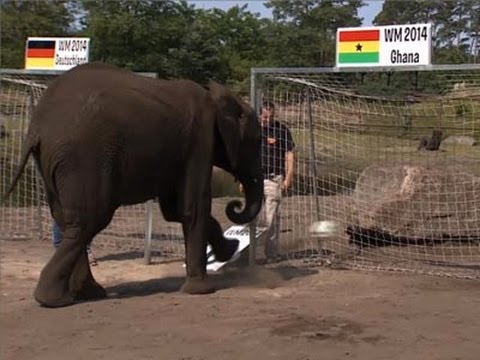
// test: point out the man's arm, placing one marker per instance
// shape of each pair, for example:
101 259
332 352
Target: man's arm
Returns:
289 162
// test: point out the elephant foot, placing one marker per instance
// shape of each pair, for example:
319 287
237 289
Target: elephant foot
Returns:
197 286
53 299
92 291
225 252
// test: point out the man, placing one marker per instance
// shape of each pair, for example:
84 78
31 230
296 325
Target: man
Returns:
277 163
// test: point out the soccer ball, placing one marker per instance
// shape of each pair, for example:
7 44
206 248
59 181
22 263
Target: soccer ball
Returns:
324 228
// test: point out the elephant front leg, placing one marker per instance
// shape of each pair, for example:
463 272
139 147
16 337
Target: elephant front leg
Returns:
197 281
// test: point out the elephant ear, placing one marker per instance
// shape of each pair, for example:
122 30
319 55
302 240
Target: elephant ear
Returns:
229 113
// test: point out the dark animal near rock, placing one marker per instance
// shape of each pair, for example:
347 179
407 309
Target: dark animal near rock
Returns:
432 143
3 132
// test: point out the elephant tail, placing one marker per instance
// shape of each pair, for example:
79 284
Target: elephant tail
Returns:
29 147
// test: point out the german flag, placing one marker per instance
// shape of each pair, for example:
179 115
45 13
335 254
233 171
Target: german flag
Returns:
358 46
40 54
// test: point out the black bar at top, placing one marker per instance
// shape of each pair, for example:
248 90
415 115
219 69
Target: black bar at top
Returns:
41 44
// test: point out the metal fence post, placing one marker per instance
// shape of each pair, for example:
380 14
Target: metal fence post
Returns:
38 183
252 226
148 232
313 157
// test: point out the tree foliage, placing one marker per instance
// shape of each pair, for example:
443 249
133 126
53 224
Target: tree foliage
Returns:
456 25
21 19
307 30
177 40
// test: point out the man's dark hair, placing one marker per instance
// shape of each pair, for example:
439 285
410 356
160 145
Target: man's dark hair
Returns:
268 104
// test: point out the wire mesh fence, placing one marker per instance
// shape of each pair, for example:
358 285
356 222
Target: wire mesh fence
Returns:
26 213
390 157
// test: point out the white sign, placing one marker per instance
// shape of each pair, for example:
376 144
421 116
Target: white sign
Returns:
53 53
392 46
238 232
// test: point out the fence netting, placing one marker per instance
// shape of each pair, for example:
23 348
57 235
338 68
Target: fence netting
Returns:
392 158
26 213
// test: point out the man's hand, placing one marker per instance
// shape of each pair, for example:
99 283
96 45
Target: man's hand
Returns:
286 184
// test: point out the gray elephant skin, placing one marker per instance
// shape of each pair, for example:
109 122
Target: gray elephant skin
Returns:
103 137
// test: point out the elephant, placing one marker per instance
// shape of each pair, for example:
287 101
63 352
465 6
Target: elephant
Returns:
103 136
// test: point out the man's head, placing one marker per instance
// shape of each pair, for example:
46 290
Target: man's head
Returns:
268 110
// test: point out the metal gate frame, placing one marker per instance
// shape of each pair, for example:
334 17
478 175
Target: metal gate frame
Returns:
255 96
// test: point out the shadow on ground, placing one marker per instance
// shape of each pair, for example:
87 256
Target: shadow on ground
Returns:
144 288
129 255
258 277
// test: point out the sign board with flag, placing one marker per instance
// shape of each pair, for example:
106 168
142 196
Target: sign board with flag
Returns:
393 45
50 53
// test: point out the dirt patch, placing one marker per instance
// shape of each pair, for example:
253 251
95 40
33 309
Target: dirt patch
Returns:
318 329
276 312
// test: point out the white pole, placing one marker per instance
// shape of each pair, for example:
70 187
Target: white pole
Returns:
253 225
148 232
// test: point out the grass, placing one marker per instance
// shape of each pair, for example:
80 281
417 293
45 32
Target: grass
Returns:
342 156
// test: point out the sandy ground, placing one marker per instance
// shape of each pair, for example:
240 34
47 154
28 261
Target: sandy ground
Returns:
278 312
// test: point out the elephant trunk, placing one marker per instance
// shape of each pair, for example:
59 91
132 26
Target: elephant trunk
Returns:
253 203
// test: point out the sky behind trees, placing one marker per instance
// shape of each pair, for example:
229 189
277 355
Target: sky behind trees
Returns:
180 39
368 12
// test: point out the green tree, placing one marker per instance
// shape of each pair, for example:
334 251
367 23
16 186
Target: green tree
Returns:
409 11
136 34
237 37
21 19
473 29
304 32
196 53
167 37
455 25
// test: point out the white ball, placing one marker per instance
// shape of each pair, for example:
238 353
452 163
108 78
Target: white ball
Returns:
324 228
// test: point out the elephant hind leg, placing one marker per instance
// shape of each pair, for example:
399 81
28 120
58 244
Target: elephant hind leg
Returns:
67 276
57 290
82 284
83 206
53 286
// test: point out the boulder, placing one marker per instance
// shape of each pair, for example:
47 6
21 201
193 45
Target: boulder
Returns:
419 201
460 139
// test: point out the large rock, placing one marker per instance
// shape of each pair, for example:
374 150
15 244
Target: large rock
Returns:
460 139
419 201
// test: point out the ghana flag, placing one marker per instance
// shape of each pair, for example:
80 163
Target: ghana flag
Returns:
358 46
40 54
